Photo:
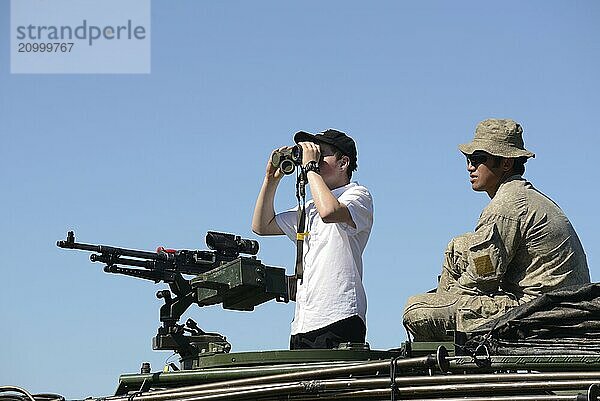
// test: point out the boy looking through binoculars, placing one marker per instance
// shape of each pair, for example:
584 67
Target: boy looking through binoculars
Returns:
331 303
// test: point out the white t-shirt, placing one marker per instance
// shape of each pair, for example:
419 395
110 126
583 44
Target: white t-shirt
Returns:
332 287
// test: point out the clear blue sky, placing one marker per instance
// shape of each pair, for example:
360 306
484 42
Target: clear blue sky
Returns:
159 159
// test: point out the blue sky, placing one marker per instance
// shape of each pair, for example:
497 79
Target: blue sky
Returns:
158 159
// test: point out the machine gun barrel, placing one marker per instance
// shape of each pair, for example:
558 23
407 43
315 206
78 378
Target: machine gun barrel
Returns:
70 243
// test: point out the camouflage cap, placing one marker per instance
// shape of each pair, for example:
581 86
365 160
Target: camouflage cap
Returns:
499 138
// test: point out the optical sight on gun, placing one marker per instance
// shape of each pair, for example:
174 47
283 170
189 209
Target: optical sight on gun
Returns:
230 245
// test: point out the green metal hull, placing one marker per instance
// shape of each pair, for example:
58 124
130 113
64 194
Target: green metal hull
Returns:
242 365
362 374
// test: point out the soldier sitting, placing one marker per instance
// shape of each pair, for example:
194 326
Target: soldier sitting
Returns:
523 244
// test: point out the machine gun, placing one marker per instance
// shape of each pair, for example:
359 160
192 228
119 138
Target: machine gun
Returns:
221 275
164 264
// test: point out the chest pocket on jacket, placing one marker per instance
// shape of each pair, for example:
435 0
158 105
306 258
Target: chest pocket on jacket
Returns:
486 258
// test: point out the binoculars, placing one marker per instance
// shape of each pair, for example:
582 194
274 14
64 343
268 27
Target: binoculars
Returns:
287 159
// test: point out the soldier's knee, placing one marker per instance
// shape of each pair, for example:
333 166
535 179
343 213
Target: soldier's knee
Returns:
418 312
410 310
430 316
416 304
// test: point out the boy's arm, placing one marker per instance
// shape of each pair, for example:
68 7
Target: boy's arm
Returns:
263 219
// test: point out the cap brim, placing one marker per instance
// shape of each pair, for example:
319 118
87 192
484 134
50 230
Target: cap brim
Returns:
467 148
494 149
303 136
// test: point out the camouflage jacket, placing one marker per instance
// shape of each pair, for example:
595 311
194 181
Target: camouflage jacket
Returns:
523 245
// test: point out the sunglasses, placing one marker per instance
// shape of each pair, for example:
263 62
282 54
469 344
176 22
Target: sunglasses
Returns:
476 159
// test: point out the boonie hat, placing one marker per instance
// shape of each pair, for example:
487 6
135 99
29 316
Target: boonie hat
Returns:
499 138
332 137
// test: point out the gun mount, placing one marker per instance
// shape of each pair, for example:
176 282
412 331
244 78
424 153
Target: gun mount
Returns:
221 276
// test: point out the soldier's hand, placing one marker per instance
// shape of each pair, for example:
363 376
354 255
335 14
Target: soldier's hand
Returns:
310 152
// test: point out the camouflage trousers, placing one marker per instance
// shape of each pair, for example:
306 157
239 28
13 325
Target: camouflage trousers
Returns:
452 307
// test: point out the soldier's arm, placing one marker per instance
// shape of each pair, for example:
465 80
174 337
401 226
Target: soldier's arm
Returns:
491 249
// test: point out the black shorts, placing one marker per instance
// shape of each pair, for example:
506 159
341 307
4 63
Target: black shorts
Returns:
349 330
